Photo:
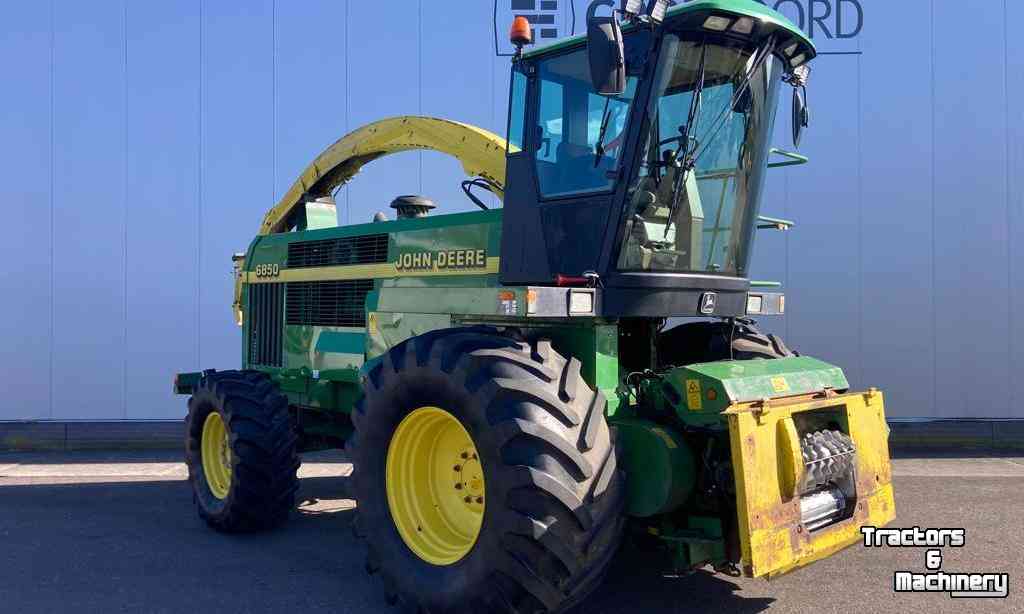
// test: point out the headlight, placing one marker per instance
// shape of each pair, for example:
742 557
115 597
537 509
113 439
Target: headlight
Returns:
716 23
581 302
755 304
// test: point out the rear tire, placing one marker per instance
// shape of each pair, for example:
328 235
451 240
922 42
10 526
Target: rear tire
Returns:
553 516
258 454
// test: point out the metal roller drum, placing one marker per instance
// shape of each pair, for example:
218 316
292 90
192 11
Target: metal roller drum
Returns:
828 456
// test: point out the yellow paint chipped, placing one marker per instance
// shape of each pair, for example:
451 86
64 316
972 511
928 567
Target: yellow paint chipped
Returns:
764 455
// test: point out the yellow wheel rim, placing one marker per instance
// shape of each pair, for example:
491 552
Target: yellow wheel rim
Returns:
435 486
217 455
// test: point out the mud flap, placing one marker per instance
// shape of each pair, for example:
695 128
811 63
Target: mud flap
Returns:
768 467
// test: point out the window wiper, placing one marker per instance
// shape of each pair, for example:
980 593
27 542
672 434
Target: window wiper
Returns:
606 118
694 154
687 130
759 59
684 153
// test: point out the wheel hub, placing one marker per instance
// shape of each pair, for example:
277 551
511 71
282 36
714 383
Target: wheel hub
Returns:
216 453
469 479
435 486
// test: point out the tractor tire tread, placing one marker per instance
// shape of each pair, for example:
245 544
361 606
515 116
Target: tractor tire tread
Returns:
263 445
563 513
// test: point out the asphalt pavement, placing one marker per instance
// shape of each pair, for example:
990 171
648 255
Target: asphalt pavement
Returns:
94 532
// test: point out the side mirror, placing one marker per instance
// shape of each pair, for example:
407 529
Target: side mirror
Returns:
801 115
605 50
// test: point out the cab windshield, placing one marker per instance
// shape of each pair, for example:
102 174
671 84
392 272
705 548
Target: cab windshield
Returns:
701 220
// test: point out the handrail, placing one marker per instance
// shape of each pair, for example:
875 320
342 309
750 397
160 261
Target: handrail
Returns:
773 223
795 159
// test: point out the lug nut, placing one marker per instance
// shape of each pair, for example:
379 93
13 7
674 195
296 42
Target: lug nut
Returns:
458 467
468 499
480 500
458 486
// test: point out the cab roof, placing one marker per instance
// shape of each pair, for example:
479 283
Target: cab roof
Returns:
701 9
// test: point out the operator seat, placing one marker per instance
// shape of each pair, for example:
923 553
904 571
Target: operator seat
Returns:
577 171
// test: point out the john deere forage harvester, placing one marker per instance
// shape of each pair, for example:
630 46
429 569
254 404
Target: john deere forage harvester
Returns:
505 381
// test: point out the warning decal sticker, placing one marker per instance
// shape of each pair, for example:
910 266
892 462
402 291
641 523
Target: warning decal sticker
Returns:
693 394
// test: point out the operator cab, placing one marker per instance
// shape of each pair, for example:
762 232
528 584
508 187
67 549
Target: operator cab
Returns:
654 187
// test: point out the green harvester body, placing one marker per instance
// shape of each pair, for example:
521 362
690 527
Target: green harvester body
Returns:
320 304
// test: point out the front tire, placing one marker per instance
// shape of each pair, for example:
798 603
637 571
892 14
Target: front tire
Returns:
240 449
538 529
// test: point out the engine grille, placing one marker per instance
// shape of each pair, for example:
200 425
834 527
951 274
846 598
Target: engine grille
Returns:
369 249
266 307
327 303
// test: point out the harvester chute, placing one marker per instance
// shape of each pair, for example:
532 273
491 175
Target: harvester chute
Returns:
481 153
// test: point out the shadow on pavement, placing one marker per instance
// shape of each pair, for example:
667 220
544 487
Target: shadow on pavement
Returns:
635 583
139 546
130 546
106 457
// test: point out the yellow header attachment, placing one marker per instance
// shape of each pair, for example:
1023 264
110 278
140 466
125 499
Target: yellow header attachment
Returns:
481 153
774 538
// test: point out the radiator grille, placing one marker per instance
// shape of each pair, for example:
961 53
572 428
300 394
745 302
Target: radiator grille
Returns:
369 249
328 303
266 311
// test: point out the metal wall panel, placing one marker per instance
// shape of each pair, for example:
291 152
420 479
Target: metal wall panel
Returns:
175 127
89 210
897 203
456 85
823 253
237 158
26 197
162 184
310 71
971 242
384 80
1015 210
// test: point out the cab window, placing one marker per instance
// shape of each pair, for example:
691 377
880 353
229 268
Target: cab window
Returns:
517 112
580 134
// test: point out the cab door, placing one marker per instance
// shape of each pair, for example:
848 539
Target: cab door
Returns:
562 184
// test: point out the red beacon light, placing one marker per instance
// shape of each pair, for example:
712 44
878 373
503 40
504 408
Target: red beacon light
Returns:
521 33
